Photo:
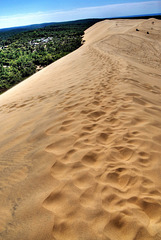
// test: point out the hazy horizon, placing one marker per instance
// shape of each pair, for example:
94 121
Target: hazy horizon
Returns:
18 13
130 16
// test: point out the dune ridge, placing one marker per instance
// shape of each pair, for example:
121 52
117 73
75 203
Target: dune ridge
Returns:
81 141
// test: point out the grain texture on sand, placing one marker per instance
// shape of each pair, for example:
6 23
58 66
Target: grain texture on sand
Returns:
81 141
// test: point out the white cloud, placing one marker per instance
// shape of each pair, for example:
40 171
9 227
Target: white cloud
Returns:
113 10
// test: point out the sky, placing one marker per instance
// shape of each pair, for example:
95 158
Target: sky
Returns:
26 12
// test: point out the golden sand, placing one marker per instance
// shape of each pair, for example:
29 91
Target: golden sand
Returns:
80 141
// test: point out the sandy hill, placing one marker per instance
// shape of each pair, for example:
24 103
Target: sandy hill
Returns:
80 141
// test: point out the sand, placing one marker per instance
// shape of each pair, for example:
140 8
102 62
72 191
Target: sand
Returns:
80 141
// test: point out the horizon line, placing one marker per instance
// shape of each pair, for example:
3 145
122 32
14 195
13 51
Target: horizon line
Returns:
57 22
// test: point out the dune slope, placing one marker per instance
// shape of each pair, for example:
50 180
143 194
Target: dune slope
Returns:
80 141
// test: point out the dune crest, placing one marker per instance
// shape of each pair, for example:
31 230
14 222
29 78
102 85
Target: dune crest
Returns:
81 141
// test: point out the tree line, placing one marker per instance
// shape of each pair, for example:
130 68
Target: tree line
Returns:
22 54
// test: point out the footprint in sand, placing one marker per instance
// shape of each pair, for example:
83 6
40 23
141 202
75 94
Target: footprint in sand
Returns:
120 179
91 159
90 198
64 199
83 179
67 122
89 127
102 138
60 170
96 114
61 146
122 153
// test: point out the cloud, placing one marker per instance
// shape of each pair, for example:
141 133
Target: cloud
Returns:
113 10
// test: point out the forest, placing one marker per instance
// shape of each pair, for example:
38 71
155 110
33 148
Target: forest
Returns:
22 53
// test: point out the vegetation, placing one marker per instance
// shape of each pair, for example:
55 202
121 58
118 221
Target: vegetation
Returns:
24 53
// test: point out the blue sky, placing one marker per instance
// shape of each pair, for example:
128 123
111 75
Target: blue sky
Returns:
20 13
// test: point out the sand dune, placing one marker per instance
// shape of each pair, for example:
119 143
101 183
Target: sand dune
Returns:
80 152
